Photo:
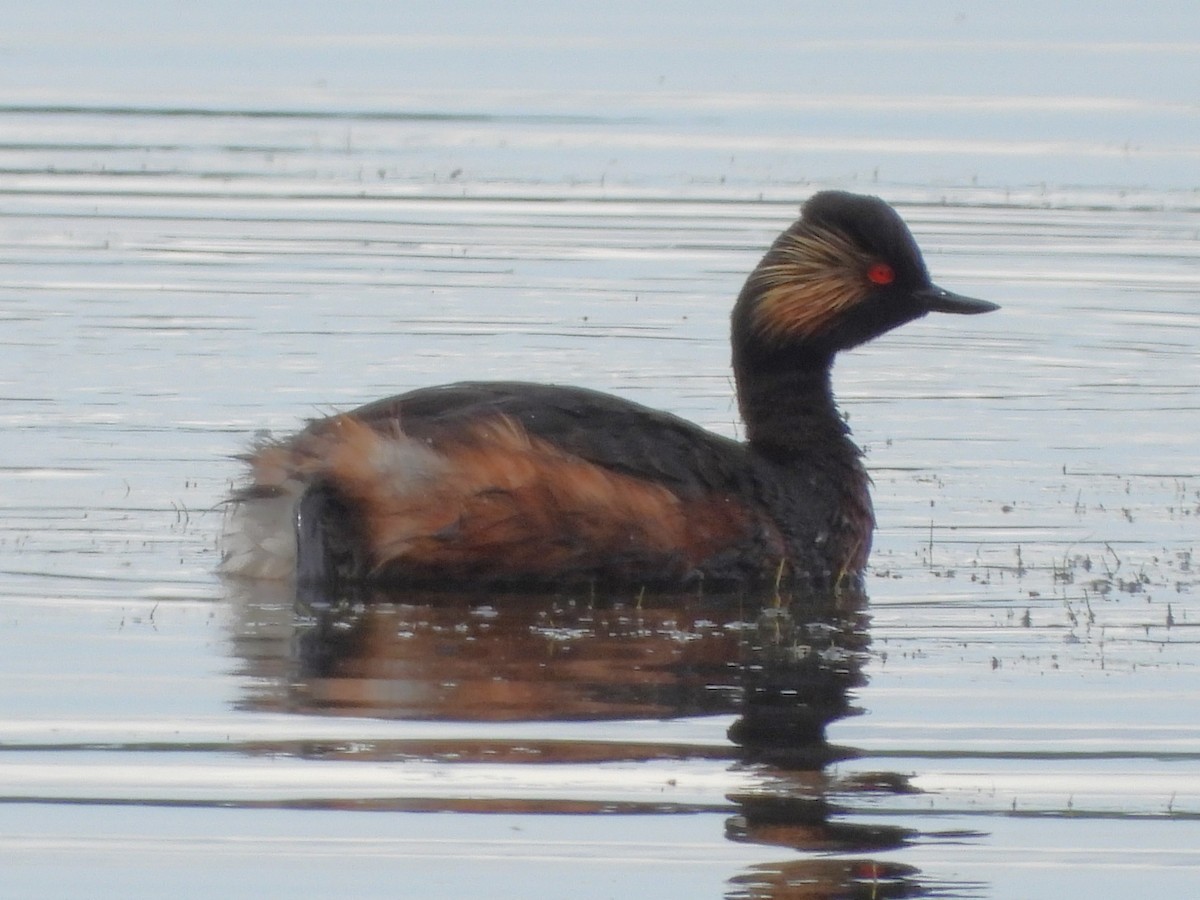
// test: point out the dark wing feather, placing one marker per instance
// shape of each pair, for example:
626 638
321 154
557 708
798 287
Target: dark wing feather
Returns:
609 431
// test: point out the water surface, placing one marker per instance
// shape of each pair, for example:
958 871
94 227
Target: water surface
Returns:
189 258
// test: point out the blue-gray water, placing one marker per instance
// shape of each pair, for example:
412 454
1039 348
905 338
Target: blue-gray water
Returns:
229 218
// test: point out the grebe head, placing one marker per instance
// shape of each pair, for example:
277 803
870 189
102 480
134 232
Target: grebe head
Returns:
847 271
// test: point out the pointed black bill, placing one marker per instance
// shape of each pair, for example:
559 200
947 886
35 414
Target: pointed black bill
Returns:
936 299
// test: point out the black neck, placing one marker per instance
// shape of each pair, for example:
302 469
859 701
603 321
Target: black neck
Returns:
789 410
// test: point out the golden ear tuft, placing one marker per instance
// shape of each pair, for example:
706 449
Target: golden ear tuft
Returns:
807 281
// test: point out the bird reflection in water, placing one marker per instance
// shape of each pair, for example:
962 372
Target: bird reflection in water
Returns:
786 668
783 667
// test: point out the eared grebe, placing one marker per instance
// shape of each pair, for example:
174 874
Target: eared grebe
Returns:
507 483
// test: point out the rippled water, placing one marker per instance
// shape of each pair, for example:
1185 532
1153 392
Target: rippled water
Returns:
189 258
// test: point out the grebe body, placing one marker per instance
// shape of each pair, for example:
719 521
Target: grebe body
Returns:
518 484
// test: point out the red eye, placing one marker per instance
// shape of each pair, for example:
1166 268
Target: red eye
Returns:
881 274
